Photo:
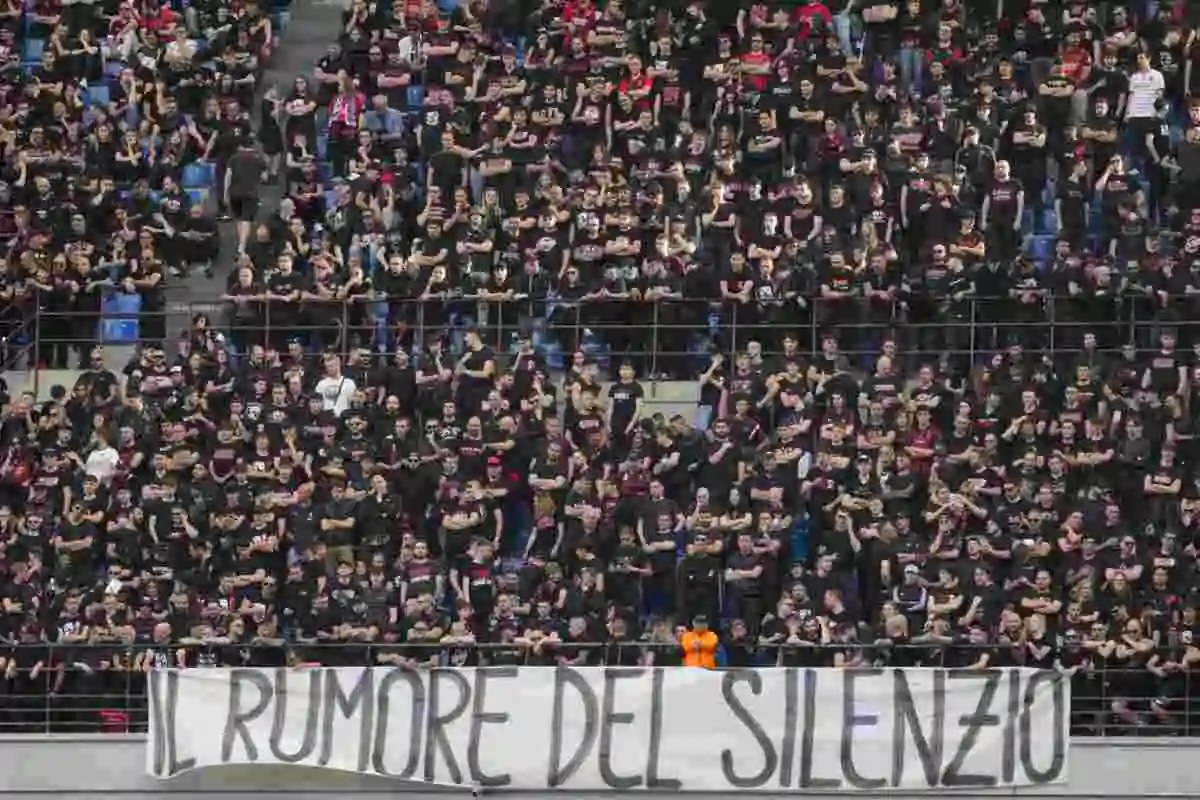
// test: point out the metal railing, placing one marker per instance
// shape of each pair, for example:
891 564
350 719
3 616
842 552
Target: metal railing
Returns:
102 688
662 336
18 338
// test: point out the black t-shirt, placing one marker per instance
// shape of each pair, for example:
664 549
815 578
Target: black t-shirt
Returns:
624 397
281 284
245 174
1003 196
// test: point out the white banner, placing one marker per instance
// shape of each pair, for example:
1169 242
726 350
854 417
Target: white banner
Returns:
623 728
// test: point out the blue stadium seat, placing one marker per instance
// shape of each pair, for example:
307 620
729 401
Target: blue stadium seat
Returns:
595 348
198 197
416 97
31 53
280 20
1041 247
1049 221
199 175
1048 193
97 95
553 354
380 310
799 537
119 319
1027 220
447 6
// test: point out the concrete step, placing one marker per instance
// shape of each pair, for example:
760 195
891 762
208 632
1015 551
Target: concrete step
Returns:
673 397
39 381
675 392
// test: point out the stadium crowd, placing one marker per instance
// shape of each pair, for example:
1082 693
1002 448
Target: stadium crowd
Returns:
355 467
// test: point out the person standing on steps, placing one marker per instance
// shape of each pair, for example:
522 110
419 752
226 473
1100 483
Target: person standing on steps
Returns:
244 178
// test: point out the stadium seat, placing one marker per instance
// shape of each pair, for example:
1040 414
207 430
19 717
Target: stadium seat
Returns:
1027 220
1048 194
280 20
799 537
119 319
1049 222
553 354
1041 247
380 310
416 97
199 175
98 95
595 348
198 197
31 53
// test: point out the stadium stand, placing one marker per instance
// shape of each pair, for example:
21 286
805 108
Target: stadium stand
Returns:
928 271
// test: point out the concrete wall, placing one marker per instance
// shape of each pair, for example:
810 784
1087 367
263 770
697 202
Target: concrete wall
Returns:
40 381
114 767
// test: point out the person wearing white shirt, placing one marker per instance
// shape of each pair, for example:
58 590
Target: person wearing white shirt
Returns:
102 462
1146 88
335 389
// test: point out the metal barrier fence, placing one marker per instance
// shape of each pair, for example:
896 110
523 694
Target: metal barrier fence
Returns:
669 335
102 688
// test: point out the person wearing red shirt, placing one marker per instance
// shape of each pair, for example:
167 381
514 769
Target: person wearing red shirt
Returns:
1077 65
944 51
579 16
636 83
345 117
756 64
157 18
806 15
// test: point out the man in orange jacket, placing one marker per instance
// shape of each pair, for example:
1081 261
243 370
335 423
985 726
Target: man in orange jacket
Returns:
700 645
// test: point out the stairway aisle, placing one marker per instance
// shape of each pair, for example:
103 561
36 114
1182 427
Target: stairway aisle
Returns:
313 27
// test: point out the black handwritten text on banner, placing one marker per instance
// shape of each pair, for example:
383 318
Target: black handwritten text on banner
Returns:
623 728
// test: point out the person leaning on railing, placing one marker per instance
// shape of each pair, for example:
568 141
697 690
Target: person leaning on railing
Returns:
700 645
